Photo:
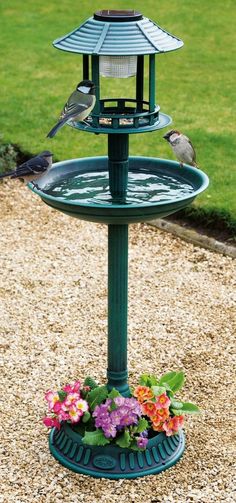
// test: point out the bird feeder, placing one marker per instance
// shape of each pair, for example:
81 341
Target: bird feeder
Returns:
118 190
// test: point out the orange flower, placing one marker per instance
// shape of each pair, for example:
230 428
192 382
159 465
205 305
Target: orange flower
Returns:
159 418
143 393
148 408
163 402
172 425
163 414
157 426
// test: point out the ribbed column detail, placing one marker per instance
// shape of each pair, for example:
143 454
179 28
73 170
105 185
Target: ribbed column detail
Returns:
117 307
118 164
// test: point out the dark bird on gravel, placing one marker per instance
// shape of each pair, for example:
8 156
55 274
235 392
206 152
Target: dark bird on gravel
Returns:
182 147
78 107
34 168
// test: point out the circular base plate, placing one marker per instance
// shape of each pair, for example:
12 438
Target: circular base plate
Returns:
111 461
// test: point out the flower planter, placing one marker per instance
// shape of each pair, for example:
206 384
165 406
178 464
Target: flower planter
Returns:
111 461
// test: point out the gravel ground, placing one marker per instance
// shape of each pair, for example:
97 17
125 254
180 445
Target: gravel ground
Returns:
53 325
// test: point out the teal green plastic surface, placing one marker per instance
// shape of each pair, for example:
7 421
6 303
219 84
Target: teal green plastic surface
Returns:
118 213
113 38
143 122
111 461
118 190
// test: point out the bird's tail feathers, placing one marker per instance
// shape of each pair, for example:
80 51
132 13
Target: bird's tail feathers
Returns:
4 175
56 128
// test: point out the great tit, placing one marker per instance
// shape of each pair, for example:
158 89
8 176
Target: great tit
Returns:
78 107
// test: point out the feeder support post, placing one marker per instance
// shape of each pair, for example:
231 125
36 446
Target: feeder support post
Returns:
117 373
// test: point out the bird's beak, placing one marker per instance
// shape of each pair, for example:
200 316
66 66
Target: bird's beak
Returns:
166 136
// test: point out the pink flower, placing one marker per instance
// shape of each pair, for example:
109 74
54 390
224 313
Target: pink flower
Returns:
57 407
63 416
171 426
72 388
48 421
81 405
75 414
163 401
52 397
71 399
51 422
67 388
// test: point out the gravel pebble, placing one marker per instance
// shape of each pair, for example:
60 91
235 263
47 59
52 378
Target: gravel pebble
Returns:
53 304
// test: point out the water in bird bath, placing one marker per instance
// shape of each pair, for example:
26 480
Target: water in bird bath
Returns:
92 187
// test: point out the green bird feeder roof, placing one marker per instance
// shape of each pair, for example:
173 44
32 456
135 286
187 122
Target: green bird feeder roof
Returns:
118 33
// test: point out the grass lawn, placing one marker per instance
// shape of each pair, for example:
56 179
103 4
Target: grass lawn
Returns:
195 85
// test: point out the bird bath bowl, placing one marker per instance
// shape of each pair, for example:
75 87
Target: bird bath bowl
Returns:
156 188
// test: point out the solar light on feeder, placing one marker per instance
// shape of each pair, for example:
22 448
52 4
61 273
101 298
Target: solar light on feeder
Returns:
114 44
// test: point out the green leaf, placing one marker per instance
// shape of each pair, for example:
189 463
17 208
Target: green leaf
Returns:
158 390
176 382
148 380
89 381
166 378
190 408
95 438
96 396
176 412
175 404
142 425
86 417
113 393
167 387
124 439
62 395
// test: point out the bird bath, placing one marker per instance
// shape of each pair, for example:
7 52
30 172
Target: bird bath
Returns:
118 190
155 188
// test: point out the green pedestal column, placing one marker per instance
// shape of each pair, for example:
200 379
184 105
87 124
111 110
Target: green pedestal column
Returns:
117 373
118 163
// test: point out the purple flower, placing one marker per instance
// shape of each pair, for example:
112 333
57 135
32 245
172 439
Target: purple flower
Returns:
109 431
102 416
142 442
144 434
115 417
100 410
126 412
128 419
102 422
134 406
119 401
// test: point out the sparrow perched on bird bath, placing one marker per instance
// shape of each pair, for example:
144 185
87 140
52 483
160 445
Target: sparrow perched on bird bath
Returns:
182 147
